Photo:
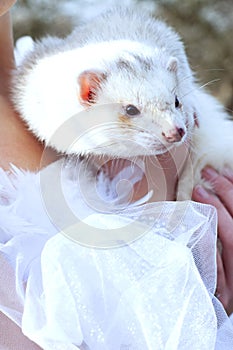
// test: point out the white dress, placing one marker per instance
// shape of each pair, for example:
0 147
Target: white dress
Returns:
91 271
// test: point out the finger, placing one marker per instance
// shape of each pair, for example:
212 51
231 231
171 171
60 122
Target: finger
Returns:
227 259
228 173
225 222
222 292
221 185
221 279
5 6
225 230
224 288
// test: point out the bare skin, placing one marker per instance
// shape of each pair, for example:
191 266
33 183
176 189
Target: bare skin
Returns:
222 200
5 5
17 145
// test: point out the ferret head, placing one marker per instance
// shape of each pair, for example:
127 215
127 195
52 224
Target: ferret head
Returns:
143 91
153 113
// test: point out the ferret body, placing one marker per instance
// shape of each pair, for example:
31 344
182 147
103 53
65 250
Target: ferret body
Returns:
138 65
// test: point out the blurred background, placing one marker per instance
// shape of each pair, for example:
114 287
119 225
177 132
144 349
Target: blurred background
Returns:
206 27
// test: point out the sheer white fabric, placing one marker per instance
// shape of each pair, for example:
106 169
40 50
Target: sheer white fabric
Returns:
156 292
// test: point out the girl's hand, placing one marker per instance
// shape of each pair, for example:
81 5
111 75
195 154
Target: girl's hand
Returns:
222 199
5 5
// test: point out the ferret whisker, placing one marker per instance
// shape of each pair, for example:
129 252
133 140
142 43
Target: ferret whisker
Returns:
214 69
180 82
184 79
132 164
209 83
196 88
200 87
229 110
97 148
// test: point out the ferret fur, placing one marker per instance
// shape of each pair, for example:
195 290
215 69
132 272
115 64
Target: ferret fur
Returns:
124 58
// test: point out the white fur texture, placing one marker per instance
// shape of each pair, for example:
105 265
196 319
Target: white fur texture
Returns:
144 64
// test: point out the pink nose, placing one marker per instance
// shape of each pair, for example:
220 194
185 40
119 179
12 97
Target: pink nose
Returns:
174 135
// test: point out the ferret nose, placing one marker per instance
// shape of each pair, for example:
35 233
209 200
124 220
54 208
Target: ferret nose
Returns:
174 135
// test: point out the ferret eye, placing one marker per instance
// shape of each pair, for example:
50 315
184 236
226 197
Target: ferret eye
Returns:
177 102
131 110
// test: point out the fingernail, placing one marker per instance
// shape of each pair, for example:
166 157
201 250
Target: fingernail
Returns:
227 171
209 173
201 192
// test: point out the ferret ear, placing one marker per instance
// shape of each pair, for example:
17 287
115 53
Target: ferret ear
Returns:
89 84
172 64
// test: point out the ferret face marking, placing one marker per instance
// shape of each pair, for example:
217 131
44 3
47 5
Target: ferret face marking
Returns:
150 114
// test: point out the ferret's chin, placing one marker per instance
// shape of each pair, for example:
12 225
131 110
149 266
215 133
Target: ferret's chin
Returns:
161 148
99 144
129 152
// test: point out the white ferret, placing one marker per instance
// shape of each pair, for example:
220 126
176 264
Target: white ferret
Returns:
130 60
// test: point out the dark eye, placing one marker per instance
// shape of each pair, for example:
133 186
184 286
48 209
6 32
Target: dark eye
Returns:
131 110
177 102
